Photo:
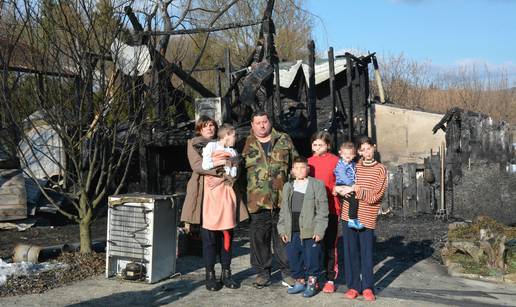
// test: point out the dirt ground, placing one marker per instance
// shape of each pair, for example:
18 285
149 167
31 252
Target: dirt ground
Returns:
407 272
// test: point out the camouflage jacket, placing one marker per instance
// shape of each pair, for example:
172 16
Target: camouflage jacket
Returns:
267 174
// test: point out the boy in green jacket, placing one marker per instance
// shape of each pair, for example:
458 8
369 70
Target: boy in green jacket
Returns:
302 222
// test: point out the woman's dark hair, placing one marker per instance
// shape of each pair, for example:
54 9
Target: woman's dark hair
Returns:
202 122
365 140
322 135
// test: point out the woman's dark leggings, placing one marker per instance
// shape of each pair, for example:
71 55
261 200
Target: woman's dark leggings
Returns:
213 245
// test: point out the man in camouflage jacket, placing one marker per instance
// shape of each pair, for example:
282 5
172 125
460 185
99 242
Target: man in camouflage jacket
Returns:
267 156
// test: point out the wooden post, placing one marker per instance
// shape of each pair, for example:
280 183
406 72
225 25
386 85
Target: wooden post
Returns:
312 100
349 67
277 109
378 80
331 69
144 176
219 81
443 183
227 69
366 101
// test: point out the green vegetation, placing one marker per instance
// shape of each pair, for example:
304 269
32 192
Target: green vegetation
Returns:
471 233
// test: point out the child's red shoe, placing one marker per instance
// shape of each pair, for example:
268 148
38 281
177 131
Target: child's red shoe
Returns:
368 295
351 294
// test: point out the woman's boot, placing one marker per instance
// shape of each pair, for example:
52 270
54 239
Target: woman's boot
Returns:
227 280
212 283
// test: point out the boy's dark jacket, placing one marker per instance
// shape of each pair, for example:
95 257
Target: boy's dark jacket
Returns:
313 219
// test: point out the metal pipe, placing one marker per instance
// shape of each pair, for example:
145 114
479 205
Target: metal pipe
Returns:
35 254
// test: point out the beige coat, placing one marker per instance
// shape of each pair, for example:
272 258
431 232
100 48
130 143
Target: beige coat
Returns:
192 207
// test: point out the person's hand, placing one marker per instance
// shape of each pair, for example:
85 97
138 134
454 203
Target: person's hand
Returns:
343 190
187 228
316 238
334 191
221 162
284 238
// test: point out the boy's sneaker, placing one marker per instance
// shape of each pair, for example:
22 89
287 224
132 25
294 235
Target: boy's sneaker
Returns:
288 281
355 223
329 287
262 281
310 289
296 288
368 295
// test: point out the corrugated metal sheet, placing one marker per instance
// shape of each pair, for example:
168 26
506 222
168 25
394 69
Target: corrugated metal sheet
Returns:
288 72
42 153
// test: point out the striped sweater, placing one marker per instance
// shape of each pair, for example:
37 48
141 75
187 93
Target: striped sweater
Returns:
370 186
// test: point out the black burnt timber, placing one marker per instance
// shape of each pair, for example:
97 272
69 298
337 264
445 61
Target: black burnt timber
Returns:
277 110
41 72
219 82
349 79
227 70
364 84
188 79
312 99
331 69
161 63
233 25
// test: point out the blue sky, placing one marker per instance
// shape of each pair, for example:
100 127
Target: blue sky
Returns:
446 32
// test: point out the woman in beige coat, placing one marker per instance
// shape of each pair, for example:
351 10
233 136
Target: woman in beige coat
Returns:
206 129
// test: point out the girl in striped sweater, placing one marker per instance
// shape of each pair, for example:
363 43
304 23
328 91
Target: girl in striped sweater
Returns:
370 185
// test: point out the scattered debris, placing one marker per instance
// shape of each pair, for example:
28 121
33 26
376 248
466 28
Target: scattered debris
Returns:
65 269
20 225
18 269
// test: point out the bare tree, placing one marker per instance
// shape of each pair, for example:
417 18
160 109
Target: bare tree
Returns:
73 87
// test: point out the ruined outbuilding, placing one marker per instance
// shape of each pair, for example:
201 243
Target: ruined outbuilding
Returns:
480 158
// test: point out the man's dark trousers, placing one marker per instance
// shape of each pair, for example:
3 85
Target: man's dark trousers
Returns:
263 229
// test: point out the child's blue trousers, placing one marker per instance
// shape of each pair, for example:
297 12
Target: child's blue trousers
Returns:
304 256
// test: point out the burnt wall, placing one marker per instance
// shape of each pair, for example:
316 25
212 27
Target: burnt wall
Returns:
479 175
485 189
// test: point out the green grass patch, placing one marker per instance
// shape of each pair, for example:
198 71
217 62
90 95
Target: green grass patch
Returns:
472 267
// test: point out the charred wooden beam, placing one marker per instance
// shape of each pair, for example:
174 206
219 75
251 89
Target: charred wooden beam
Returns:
378 79
277 110
331 69
349 76
188 79
161 62
312 101
233 25
227 70
40 72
